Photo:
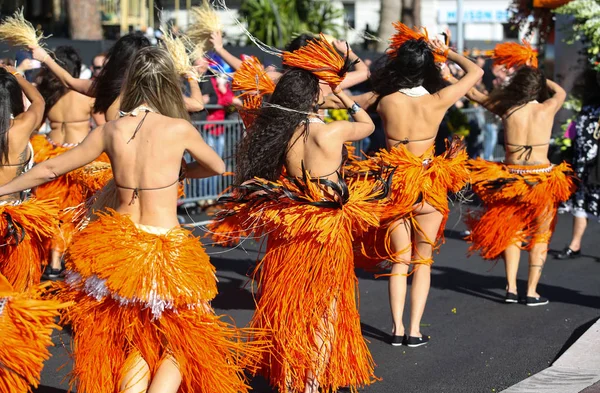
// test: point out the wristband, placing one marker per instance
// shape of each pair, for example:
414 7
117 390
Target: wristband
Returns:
15 73
353 110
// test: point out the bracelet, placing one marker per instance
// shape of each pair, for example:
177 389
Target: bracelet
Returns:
15 73
353 110
45 57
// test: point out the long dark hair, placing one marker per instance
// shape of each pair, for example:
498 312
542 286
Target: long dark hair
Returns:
412 65
107 86
262 152
50 87
527 84
11 103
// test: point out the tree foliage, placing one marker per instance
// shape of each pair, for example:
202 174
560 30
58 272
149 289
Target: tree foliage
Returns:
295 17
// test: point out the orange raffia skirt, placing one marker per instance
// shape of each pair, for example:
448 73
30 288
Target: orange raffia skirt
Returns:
145 292
416 180
26 324
520 204
71 189
307 288
25 227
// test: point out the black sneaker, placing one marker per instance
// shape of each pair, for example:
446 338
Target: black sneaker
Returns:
398 340
536 301
511 297
567 253
416 341
52 274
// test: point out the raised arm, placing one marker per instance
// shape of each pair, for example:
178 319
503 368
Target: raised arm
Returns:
82 86
360 128
450 94
361 71
556 101
32 118
216 39
84 153
473 94
206 161
195 102
365 100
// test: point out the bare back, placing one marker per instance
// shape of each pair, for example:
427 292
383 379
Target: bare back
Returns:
320 156
19 154
527 134
70 118
412 119
150 162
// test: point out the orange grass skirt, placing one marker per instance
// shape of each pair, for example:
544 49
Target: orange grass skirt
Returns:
26 325
307 288
145 291
416 180
520 204
25 227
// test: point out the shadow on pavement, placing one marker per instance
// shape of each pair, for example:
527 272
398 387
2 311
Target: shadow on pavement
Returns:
574 337
487 286
234 292
47 389
374 333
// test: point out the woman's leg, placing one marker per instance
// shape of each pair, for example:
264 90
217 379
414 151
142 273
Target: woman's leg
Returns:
401 246
55 259
537 259
136 376
429 221
167 378
512 254
323 339
579 225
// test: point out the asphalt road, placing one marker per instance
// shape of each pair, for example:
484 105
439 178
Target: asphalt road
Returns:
478 344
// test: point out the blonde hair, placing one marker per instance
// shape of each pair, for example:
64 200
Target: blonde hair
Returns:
152 81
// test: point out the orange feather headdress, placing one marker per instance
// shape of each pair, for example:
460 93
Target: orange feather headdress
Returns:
251 107
252 78
322 59
405 33
513 54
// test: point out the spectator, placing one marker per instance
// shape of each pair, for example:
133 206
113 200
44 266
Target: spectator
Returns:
209 93
97 64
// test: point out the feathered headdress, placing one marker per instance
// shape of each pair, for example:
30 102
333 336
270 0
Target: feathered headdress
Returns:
19 32
205 22
405 33
513 54
251 107
252 78
320 58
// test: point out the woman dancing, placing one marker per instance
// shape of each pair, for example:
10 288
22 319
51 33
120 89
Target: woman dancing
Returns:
69 114
306 280
413 225
139 280
25 224
520 195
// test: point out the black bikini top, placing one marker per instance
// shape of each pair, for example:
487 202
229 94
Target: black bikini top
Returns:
525 150
136 190
406 141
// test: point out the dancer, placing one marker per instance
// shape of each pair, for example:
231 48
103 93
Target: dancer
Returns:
410 97
585 203
142 284
25 224
69 114
520 195
306 281
26 325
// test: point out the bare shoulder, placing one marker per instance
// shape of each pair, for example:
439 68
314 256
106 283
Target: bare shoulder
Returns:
180 127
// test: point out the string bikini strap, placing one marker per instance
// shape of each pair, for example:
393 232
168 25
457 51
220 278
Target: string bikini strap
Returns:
136 190
138 126
406 141
526 150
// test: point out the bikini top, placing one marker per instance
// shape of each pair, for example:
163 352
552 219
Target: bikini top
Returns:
136 190
525 150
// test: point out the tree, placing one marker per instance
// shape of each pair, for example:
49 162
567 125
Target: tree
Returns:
84 19
390 12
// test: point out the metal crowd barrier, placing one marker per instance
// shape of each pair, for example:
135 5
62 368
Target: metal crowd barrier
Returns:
223 137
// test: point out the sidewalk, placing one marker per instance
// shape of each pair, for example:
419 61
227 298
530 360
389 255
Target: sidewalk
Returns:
576 371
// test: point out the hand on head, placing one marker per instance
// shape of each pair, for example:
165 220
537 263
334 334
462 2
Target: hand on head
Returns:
10 69
216 39
438 46
342 46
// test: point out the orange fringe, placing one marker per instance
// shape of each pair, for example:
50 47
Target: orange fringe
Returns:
252 78
405 33
512 54
23 253
26 325
252 103
146 292
517 207
321 58
306 282
414 183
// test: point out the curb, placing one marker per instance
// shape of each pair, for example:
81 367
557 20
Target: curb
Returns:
577 369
